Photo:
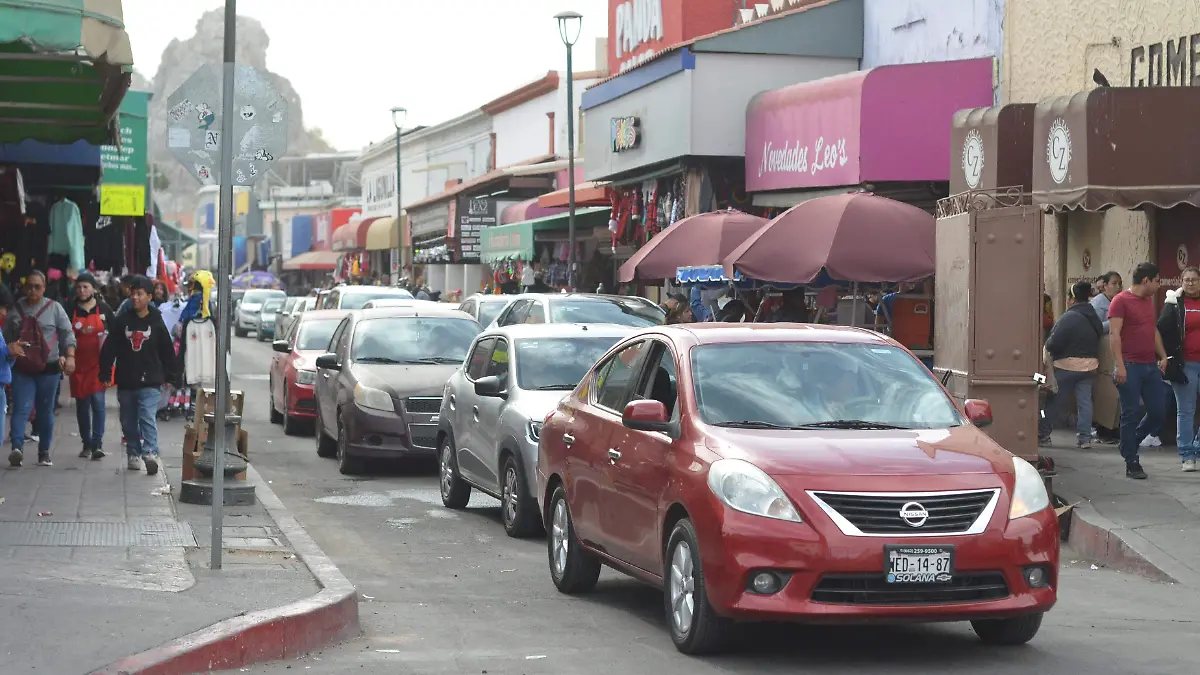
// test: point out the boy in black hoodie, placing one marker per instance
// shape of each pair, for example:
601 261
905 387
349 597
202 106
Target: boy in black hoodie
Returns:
145 360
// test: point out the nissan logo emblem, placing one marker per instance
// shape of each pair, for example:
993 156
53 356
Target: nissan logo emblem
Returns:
914 514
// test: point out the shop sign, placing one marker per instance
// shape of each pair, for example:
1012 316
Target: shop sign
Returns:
124 166
508 242
972 159
626 133
474 214
324 222
803 159
395 258
122 200
379 192
1058 151
637 23
1174 63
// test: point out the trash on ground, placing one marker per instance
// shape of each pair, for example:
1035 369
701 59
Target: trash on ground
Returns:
534 657
43 514
388 651
1094 566
163 491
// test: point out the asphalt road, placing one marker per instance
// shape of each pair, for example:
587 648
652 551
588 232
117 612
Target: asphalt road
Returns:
449 593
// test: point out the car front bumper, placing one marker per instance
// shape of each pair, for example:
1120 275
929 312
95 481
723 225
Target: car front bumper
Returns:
380 434
301 401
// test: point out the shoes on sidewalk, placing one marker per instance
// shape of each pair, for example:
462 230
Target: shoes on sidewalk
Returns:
15 458
86 452
44 460
97 453
1152 442
151 463
1189 465
1135 471
1044 442
135 464
1083 445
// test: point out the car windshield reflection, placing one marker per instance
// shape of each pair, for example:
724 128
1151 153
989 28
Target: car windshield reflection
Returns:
557 364
413 340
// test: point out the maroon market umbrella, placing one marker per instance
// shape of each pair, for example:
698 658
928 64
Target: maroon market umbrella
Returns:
853 237
704 239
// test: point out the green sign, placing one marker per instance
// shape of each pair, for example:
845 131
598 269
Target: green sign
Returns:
127 164
507 242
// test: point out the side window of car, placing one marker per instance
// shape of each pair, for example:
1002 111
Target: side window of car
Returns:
343 340
613 380
293 331
537 313
498 364
659 381
517 313
337 335
331 300
477 363
468 307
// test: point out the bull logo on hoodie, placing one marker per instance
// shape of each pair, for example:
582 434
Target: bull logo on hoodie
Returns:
137 338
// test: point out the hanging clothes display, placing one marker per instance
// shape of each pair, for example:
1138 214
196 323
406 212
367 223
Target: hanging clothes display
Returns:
32 239
105 243
141 243
155 250
198 342
12 188
66 235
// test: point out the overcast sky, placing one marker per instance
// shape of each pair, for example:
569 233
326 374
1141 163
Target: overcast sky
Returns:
353 60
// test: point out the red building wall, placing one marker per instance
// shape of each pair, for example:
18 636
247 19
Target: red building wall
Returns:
678 20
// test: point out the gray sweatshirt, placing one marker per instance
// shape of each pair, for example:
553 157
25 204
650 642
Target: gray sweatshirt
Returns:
1101 303
56 326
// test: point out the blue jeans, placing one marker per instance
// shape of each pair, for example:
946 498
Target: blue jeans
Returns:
138 408
1185 401
1081 384
89 410
34 393
1143 386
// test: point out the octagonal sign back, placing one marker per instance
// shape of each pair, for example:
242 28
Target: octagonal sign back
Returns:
195 124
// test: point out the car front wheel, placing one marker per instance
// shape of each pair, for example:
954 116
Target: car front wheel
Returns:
456 492
695 627
1008 632
573 569
347 465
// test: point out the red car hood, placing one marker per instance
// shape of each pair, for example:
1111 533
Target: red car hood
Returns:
958 450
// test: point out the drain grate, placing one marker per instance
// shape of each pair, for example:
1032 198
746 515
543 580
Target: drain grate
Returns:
146 533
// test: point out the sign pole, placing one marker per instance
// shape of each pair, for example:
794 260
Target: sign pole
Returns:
224 278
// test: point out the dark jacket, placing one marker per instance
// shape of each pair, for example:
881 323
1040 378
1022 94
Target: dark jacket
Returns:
1171 325
142 349
1076 333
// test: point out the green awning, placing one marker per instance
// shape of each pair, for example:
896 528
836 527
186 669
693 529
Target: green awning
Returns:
64 67
515 240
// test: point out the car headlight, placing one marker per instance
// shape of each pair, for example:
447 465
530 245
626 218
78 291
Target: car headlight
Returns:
1029 491
744 487
375 399
534 429
306 376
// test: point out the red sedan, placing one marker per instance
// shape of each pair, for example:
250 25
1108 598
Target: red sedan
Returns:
788 472
294 370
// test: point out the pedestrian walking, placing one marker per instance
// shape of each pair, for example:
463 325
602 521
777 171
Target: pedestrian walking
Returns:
1179 325
1137 349
8 352
90 318
43 330
143 355
1074 347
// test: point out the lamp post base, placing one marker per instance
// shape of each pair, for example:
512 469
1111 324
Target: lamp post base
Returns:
200 491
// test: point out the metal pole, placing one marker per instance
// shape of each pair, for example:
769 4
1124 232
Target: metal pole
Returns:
224 278
570 172
399 210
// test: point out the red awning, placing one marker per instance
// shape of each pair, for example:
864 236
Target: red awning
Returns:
313 260
352 236
586 194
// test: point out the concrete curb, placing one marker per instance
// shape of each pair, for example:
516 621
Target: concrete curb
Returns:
283 632
1104 542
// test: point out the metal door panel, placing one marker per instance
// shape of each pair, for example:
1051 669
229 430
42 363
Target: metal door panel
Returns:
1006 293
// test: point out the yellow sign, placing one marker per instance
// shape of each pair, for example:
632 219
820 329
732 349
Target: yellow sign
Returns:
122 200
241 203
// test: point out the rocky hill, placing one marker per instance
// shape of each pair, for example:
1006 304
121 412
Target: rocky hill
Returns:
179 60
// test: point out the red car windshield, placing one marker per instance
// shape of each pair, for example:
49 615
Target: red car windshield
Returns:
817 384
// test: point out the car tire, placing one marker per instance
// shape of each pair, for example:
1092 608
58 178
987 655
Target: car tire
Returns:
291 425
239 331
326 446
694 626
276 416
1008 632
260 336
518 509
572 568
455 491
347 465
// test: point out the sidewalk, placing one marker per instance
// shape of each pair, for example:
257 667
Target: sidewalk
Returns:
1150 526
102 563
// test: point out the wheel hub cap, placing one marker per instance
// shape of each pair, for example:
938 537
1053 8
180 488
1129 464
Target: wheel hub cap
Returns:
510 495
447 474
681 587
559 542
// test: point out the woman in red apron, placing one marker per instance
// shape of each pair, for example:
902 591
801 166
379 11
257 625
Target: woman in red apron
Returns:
90 317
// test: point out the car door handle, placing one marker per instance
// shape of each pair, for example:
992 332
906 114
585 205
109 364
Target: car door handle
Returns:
613 455
568 439
475 413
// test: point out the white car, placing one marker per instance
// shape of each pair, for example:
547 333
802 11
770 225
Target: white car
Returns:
248 310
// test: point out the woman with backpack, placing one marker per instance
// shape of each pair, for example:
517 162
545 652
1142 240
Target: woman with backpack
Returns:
43 329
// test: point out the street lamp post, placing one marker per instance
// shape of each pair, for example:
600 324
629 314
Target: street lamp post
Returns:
398 117
569 26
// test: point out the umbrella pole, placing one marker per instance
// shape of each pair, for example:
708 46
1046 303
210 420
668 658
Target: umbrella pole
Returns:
854 305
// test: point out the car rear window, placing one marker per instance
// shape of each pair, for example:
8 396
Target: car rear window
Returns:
601 310
316 334
489 310
558 363
412 339
356 299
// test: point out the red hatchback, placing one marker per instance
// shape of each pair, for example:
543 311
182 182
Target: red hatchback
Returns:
294 370
789 472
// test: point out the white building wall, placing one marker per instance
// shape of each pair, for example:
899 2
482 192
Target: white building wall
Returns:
524 131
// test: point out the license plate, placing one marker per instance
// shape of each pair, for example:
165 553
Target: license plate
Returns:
918 564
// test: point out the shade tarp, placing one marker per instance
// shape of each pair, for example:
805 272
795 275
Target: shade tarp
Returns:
313 260
383 234
515 240
65 65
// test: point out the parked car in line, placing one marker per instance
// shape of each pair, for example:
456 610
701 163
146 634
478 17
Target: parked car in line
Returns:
248 310
267 317
624 310
379 388
292 314
235 296
485 308
378 303
354 297
769 472
294 371
493 408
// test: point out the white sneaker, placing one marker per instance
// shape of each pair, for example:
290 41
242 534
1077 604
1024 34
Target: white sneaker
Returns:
135 464
1152 442
1189 465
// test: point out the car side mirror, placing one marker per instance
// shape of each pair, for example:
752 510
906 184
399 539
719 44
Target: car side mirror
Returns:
328 362
978 411
280 346
646 415
490 387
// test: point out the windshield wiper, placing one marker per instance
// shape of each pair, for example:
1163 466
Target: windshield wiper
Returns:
751 424
554 387
431 360
851 424
378 359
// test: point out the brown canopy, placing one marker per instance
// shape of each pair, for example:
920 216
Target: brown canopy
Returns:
990 147
1117 146
703 239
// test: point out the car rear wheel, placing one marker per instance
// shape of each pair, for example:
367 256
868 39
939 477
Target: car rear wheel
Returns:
572 568
276 417
456 492
239 331
347 465
695 627
517 508
1008 632
326 446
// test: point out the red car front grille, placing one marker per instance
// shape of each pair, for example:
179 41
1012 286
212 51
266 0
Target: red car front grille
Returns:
873 589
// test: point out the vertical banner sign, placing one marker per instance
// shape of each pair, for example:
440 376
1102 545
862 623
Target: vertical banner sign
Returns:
123 181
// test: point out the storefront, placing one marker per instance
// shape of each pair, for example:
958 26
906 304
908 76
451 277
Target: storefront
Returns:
383 246
881 130
542 242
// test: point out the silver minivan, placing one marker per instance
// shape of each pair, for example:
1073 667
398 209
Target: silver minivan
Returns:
493 408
